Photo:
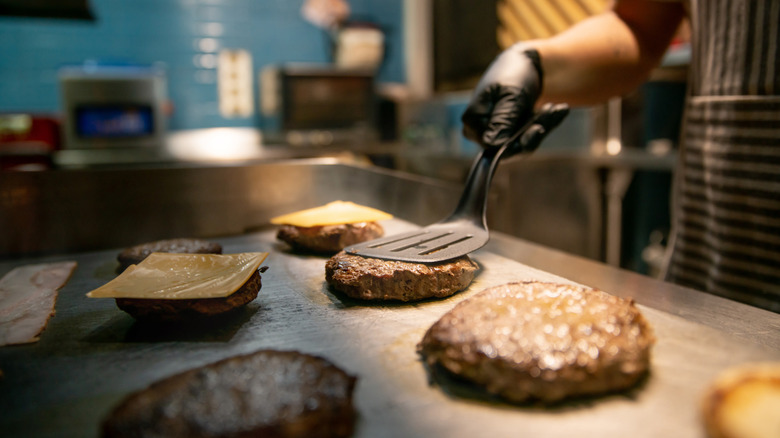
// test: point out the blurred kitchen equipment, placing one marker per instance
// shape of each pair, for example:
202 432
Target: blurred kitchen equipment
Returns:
359 45
317 104
113 107
27 141
354 44
465 230
327 14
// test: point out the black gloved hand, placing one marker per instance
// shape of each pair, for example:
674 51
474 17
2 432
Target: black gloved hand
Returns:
548 117
504 98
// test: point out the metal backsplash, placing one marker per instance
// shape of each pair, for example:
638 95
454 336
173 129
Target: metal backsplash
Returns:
88 209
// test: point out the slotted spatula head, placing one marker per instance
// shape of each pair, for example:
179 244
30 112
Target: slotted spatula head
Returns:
432 244
465 230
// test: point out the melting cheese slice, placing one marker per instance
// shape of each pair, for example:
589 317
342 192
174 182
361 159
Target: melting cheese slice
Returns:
183 276
333 213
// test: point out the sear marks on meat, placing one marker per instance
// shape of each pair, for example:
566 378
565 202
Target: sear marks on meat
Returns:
329 239
267 393
136 254
376 279
167 310
542 341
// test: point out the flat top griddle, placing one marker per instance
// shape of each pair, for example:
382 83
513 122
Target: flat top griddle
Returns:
92 354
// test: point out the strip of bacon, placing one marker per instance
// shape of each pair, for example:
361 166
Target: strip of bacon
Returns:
27 298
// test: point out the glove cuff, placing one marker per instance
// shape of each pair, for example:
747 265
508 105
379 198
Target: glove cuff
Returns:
536 60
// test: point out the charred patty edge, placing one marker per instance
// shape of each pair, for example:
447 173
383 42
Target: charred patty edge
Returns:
529 382
136 254
143 412
328 239
163 310
368 278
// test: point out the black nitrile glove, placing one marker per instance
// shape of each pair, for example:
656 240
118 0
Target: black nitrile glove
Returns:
504 98
543 122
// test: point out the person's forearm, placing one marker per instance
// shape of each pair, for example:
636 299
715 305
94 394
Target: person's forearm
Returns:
607 55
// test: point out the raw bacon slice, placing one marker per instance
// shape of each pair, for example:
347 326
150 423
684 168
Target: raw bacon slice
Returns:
27 297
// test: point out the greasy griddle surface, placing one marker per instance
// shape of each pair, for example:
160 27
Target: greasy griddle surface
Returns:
92 355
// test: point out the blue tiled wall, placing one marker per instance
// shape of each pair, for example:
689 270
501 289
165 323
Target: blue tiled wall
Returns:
169 32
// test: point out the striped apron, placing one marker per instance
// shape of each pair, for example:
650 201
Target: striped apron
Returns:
726 204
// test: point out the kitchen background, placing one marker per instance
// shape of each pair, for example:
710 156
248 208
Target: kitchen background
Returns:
607 202
184 38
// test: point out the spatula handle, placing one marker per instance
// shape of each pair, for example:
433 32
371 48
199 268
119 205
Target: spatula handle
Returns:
472 206
473 202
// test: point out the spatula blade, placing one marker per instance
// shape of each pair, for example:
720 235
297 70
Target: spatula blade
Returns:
465 230
433 244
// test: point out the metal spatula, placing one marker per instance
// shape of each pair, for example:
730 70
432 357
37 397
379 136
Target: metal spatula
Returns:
465 230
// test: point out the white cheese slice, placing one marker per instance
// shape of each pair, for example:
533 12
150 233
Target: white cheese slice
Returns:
183 276
333 213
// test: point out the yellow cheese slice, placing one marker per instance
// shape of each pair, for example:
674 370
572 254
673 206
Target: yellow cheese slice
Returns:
183 276
333 213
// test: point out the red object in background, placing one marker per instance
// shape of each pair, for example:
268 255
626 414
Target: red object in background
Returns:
28 141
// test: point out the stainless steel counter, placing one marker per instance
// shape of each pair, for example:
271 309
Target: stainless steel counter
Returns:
92 354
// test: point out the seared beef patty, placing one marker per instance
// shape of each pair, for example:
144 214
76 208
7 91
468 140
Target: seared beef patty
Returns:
267 393
542 341
376 279
168 310
329 238
136 254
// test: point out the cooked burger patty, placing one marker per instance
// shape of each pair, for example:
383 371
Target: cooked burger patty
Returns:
542 341
163 310
267 393
136 254
329 238
376 279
